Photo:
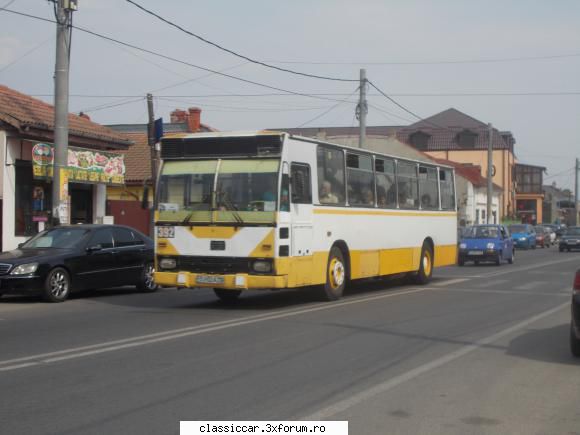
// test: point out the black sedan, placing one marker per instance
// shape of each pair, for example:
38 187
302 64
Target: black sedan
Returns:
64 259
570 239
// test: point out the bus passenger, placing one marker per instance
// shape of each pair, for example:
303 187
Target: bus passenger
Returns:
326 196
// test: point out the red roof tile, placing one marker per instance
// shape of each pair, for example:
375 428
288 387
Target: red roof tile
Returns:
471 173
31 116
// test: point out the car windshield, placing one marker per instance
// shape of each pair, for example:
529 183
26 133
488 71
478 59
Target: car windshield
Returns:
518 229
57 238
482 233
575 231
244 190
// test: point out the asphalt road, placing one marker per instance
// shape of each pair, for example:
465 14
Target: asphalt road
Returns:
481 350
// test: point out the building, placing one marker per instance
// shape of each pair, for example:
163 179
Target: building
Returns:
453 135
26 144
558 205
529 193
124 202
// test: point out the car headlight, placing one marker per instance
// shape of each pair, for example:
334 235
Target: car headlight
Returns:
24 269
167 263
490 246
462 246
262 266
523 239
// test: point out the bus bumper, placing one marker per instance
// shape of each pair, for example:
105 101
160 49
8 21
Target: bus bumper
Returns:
239 281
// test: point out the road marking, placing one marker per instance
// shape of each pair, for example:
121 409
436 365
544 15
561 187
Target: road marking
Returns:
492 283
343 405
531 285
110 346
532 266
449 282
562 293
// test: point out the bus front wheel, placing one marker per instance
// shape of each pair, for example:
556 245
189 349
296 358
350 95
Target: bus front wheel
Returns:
423 276
335 275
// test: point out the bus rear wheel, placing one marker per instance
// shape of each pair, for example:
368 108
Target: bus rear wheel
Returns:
423 276
227 296
335 275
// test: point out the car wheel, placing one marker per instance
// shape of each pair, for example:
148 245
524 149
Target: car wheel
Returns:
147 282
574 342
335 275
57 285
425 272
534 246
513 257
498 259
227 296
569 250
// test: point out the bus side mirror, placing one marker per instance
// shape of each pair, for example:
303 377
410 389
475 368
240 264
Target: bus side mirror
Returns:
145 198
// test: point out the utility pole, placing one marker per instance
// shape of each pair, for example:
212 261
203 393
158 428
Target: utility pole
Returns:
362 109
60 211
489 172
153 154
577 167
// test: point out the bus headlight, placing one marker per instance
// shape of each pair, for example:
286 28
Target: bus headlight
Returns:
262 266
167 263
491 246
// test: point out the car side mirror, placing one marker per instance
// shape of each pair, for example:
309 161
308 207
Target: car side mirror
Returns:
20 245
94 248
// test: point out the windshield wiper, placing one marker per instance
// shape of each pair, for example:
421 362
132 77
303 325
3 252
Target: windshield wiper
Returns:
231 207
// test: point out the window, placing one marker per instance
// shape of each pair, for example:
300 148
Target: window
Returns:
407 187
386 186
466 139
123 237
103 238
301 186
330 176
419 140
428 188
361 183
138 240
32 200
476 216
447 190
285 192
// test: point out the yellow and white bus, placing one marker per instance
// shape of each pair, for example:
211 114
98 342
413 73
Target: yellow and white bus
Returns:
268 210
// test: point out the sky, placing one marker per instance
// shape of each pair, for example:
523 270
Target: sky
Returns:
414 50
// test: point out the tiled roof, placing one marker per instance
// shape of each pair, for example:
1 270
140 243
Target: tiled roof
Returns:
33 117
471 173
379 130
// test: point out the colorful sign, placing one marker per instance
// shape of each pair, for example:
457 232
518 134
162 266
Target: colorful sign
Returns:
83 166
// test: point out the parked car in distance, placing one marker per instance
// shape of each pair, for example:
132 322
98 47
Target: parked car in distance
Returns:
542 236
523 235
570 239
575 323
65 259
486 243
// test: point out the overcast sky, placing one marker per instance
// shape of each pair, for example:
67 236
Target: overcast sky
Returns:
324 37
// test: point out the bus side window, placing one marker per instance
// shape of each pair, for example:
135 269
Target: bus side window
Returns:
330 162
360 180
386 187
407 186
428 188
301 185
447 191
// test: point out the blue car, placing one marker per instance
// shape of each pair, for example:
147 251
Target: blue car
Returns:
524 236
486 243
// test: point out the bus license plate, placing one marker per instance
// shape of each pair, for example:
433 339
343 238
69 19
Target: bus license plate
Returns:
475 253
209 279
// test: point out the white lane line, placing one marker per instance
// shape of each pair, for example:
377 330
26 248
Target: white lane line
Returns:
562 293
531 285
78 352
449 282
343 405
493 283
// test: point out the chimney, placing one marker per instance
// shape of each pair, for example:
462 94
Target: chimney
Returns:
84 116
194 119
178 116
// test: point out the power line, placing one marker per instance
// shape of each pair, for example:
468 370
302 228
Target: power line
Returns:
436 62
109 106
227 50
331 108
559 173
7 4
145 50
33 49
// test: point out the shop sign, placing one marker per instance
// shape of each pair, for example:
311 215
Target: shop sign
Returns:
83 166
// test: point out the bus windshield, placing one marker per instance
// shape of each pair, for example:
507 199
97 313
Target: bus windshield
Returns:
245 191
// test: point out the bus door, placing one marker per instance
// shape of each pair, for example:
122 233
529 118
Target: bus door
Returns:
301 212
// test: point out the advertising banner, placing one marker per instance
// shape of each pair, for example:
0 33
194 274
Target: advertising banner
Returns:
83 166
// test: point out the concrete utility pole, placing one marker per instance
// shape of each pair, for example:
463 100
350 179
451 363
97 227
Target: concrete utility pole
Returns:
362 109
577 167
489 173
60 212
151 143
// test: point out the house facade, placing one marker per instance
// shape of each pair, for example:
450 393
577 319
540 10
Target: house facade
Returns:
529 193
26 144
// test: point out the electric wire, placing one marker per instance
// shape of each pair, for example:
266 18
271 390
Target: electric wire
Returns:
331 108
32 50
234 53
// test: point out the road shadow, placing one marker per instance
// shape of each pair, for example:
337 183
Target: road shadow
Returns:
546 345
